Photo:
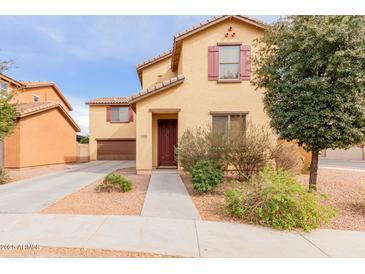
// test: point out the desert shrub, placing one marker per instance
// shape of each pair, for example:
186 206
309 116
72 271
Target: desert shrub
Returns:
275 198
286 157
4 176
249 151
234 202
114 182
206 175
200 144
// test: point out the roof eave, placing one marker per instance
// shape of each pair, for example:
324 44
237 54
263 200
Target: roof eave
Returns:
11 80
148 94
74 124
215 20
146 64
106 104
63 98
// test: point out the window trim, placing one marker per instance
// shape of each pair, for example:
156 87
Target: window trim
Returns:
232 80
118 122
228 114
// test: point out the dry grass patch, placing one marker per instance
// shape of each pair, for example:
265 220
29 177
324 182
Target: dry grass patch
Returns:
88 201
62 252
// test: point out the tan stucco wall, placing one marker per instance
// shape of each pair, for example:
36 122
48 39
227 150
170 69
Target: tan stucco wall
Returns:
41 139
100 128
197 96
46 94
150 75
12 148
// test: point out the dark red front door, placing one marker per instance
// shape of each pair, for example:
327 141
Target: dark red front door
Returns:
167 141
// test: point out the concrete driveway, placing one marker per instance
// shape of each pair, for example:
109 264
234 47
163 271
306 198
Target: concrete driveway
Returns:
34 194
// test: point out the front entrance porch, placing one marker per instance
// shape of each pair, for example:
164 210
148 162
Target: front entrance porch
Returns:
164 140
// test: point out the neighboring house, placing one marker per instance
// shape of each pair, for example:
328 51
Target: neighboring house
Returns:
204 80
112 129
45 132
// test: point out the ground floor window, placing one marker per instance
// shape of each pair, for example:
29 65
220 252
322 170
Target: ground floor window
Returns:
229 123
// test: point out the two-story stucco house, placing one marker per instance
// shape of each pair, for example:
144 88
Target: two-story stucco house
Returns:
45 132
204 80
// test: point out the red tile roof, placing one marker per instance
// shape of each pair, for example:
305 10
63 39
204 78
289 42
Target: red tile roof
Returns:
140 95
47 84
157 88
155 59
26 109
108 101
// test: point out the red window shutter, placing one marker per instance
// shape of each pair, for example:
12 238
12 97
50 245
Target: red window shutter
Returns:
245 62
213 63
131 117
108 113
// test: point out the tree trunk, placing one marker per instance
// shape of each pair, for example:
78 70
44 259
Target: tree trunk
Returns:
313 171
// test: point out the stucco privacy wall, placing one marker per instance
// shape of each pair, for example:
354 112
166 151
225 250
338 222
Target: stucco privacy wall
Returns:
50 139
12 148
46 94
99 128
157 72
197 96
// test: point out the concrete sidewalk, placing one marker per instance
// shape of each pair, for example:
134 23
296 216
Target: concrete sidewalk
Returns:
187 238
34 194
167 197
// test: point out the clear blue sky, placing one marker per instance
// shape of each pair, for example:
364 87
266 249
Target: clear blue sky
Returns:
88 56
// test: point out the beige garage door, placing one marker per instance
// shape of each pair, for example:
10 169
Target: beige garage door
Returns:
116 149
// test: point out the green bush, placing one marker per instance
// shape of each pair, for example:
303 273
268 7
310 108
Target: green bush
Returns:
4 176
234 202
206 175
277 199
114 182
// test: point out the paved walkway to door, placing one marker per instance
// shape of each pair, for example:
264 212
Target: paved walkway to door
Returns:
167 197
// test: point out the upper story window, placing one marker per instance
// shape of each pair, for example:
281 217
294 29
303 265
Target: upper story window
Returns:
229 62
229 124
4 88
36 98
120 114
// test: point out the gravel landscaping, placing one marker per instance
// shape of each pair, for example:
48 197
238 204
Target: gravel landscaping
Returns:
210 205
60 252
88 201
345 191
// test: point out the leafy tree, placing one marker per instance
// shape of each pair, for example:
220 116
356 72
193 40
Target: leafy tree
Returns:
7 110
313 71
84 140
